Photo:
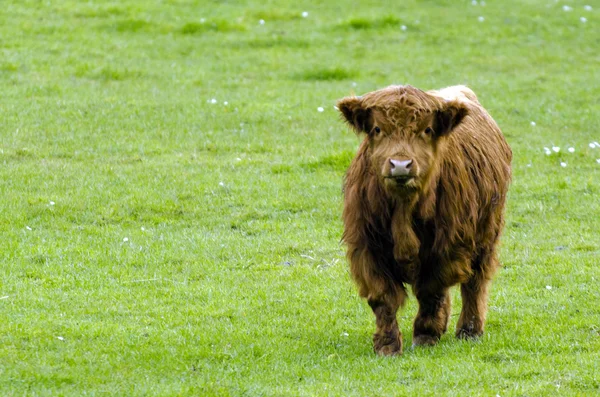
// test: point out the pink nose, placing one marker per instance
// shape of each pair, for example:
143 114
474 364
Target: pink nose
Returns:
400 167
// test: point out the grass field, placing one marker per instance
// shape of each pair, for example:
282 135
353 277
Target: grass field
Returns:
170 195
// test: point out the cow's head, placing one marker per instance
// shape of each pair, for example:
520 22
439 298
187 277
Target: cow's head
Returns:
404 128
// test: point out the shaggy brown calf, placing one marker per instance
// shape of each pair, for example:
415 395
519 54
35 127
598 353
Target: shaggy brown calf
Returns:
423 206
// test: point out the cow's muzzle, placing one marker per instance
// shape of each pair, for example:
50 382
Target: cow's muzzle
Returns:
399 170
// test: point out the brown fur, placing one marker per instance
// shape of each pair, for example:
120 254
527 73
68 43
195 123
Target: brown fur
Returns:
437 228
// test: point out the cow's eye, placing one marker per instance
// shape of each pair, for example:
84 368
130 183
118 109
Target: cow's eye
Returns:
428 130
377 130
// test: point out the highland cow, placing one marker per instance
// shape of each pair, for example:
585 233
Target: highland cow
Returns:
423 206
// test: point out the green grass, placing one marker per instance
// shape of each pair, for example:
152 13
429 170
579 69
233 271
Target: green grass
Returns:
156 243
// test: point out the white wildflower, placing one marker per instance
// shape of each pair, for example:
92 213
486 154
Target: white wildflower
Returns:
28 228
320 109
587 8
125 239
571 150
225 103
583 19
532 123
555 149
52 203
567 8
548 287
592 145
598 161
481 19
547 151
563 164
213 101
262 21
221 184
474 2
304 14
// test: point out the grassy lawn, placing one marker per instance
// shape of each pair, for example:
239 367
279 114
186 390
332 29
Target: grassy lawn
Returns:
170 191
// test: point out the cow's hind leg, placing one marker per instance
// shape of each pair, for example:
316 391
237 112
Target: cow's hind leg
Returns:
432 319
475 297
387 339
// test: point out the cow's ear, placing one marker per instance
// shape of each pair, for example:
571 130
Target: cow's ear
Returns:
355 113
449 116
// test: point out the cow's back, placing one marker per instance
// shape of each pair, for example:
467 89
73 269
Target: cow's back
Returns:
473 180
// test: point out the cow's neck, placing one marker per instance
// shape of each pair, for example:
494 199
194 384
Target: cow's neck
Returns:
425 208
406 242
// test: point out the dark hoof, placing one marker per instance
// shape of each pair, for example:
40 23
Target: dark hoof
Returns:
468 334
425 340
387 345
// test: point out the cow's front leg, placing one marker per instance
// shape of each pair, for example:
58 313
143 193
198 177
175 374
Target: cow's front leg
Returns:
432 319
387 339
383 294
